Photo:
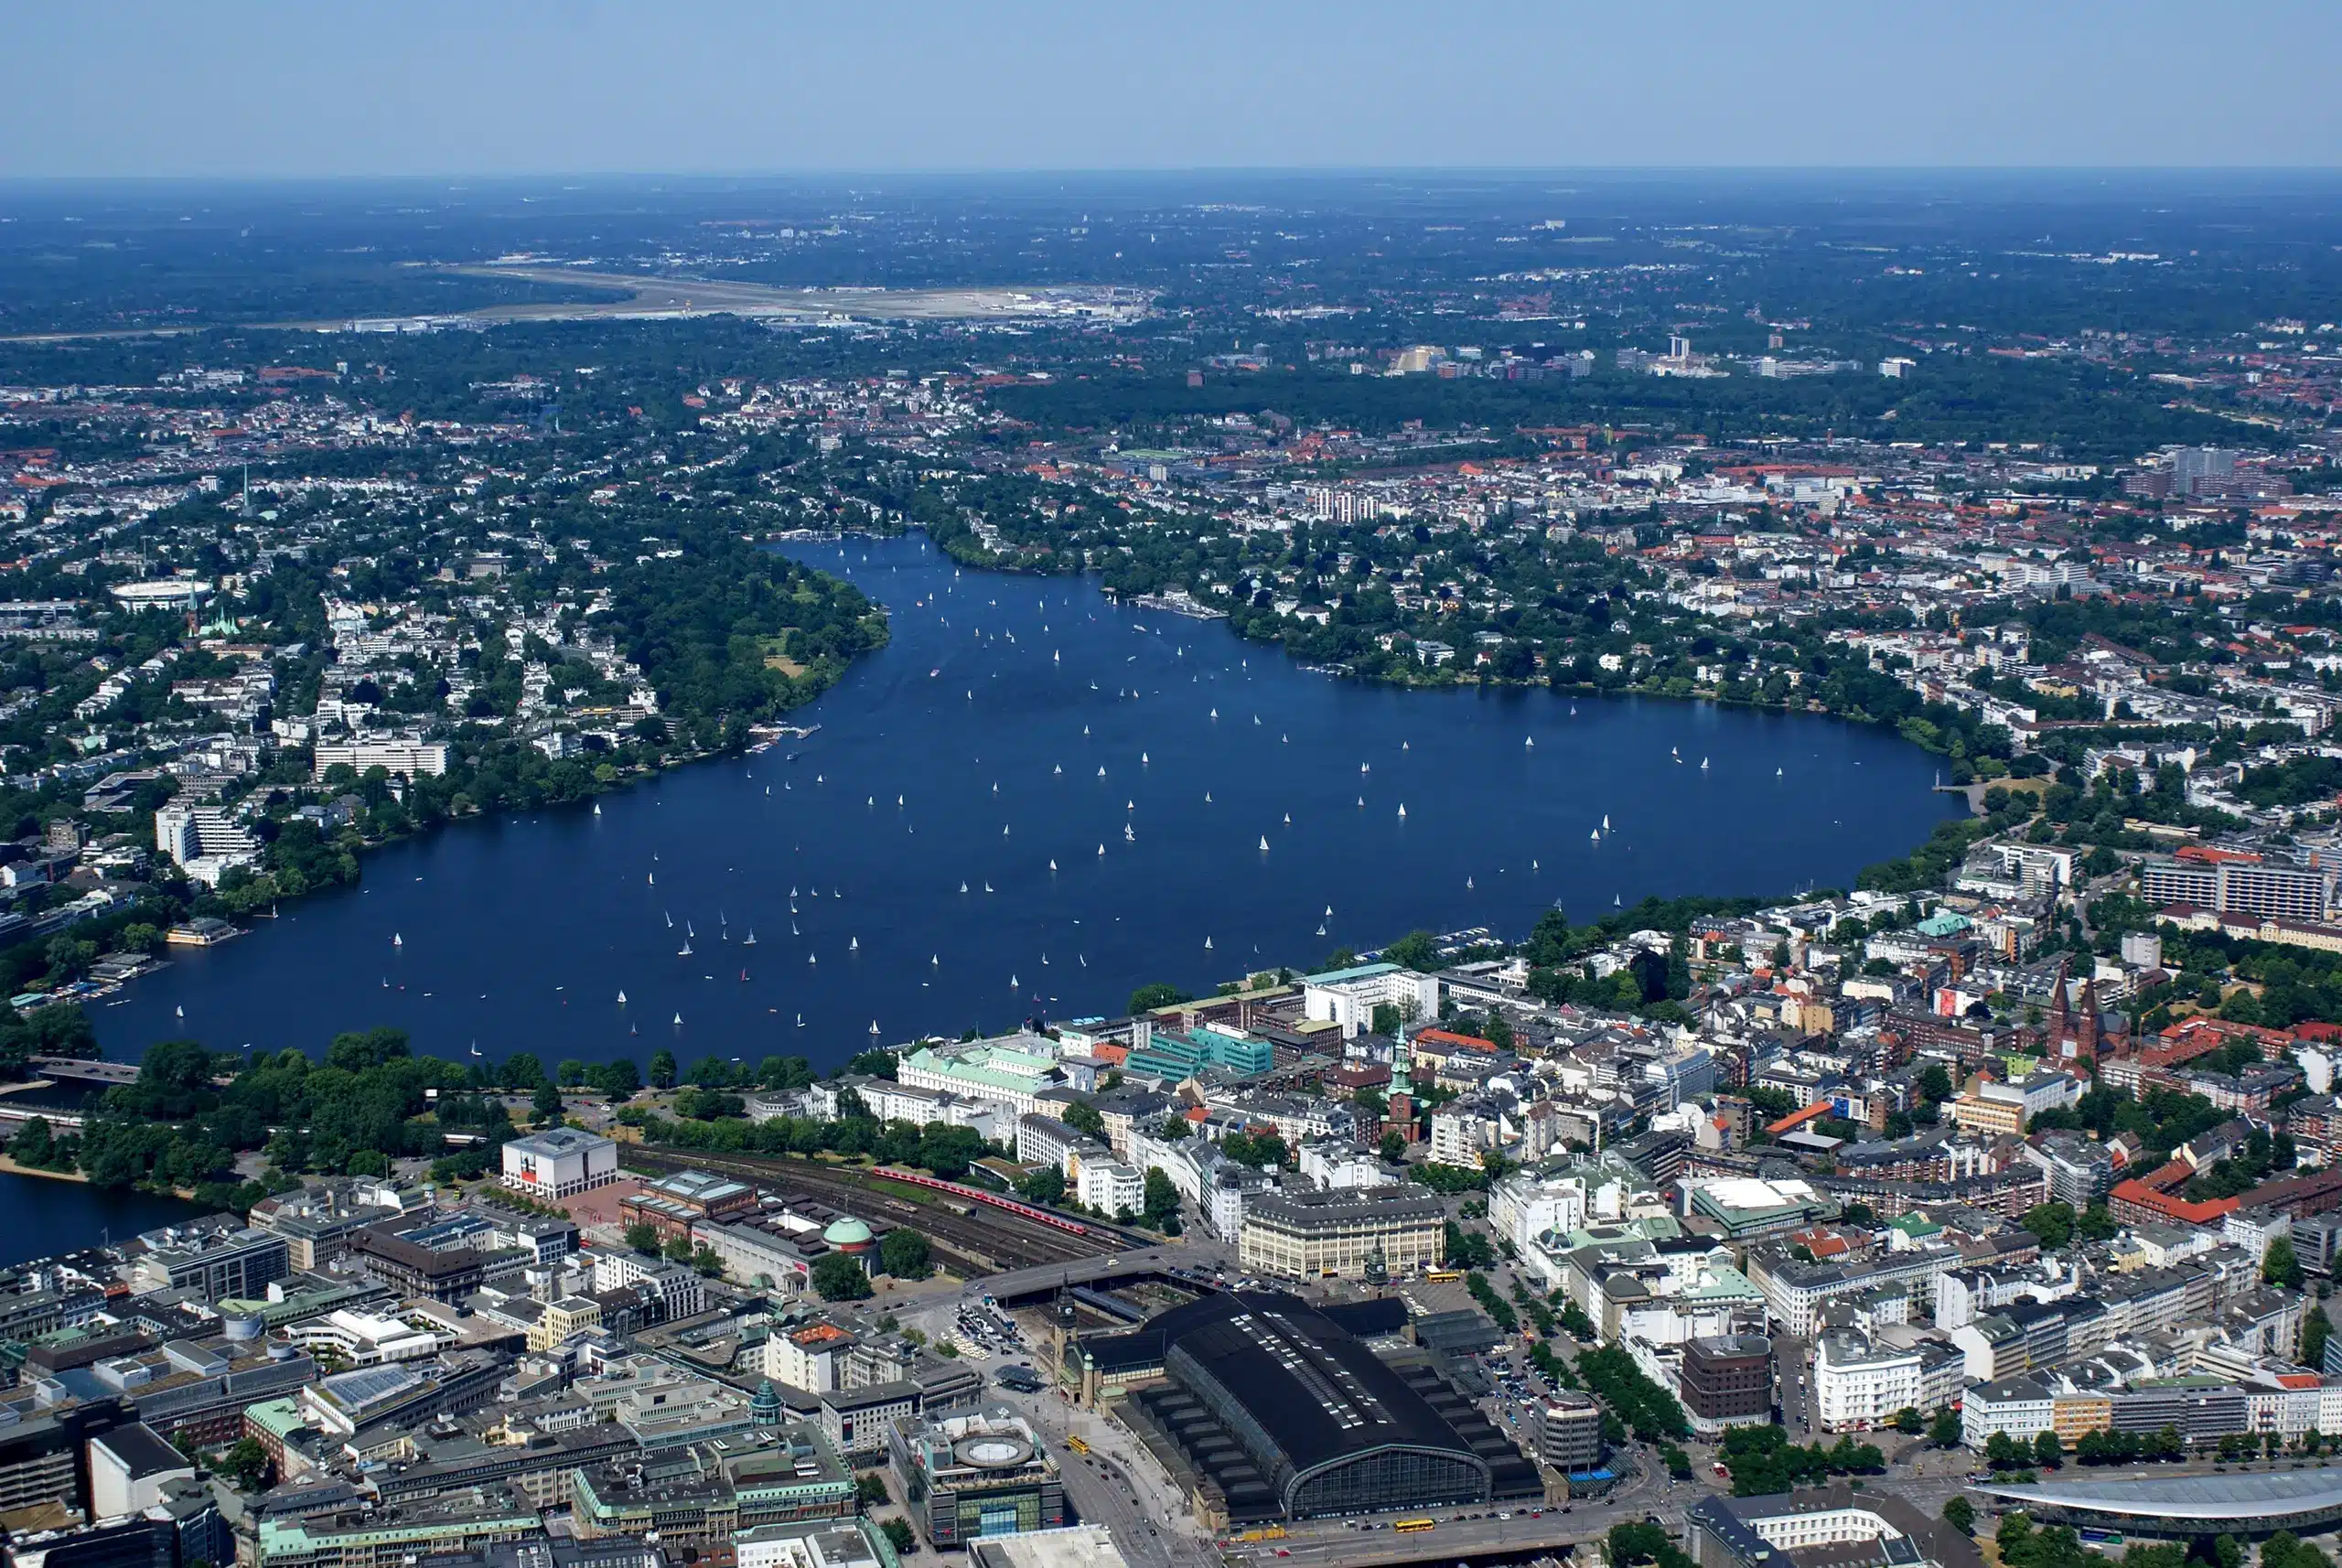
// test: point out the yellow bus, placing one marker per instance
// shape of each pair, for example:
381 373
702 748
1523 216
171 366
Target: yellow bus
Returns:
1441 1276
1076 1444
1409 1526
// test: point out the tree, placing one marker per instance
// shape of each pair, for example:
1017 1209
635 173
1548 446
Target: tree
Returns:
838 1277
1174 1128
678 1249
1392 1147
1418 951
905 1254
245 1461
2052 1224
1498 1031
1160 1207
2048 1451
899 1536
870 1488
1960 1513
545 1104
1935 1084
34 1144
1044 1186
1082 1117
618 1079
2316 1329
1908 1419
663 1068
708 1262
1943 1428
1386 1019
644 1239
1161 993
2280 1266
521 1071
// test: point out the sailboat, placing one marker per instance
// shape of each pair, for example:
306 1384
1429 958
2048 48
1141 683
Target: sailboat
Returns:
475 1048
1215 713
1467 884
397 940
1606 821
1595 836
686 949
1288 819
1366 767
650 877
679 1020
1206 797
1403 808
751 939
1128 836
1012 982
1777 773
621 998
800 1020
180 1011
744 977
1102 773
1530 741
1053 865
987 887
935 960
853 944
811 958
597 805
1321 929
1207 944
1058 769
670 919
963 885
1264 844
1102 849
1142 759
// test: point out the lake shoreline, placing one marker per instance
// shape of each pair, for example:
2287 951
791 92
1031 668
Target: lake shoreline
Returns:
965 712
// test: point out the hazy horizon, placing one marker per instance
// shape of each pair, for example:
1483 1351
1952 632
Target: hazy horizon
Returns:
261 90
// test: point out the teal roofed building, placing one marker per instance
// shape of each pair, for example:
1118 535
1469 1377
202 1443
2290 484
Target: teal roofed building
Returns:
1942 923
1178 1056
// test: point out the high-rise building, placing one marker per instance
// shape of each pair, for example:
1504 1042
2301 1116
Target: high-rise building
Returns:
1566 1432
2191 465
1727 1380
978 1474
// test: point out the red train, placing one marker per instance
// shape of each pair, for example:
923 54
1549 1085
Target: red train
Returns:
978 1195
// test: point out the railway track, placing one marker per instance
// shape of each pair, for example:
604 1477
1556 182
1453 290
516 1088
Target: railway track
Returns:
981 1241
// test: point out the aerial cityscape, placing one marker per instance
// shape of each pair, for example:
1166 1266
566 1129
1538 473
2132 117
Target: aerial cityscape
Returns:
728 849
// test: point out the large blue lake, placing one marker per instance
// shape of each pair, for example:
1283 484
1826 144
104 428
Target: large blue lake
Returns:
1146 797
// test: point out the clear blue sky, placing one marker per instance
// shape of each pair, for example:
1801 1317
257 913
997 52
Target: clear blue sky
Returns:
327 87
